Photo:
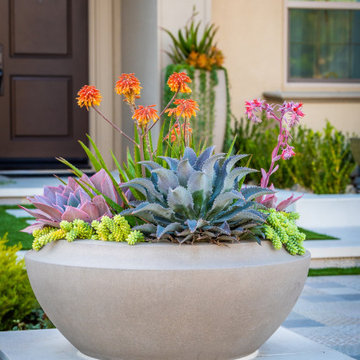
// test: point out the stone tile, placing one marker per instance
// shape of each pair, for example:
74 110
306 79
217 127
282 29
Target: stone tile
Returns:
324 284
322 298
301 323
350 297
19 213
340 291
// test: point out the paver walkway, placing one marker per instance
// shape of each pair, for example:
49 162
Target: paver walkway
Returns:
328 312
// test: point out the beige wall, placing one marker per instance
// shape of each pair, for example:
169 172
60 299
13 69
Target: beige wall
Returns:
252 37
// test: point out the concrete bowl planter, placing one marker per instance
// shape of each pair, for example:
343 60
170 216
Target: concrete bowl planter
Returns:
164 301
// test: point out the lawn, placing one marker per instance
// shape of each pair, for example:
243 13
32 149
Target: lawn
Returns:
12 225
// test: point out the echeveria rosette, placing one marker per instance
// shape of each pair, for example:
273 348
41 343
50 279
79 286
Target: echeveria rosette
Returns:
72 202
198 199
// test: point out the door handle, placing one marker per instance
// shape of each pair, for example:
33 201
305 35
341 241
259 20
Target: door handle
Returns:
1 70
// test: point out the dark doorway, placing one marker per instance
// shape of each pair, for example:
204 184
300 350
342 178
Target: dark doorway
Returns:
43 63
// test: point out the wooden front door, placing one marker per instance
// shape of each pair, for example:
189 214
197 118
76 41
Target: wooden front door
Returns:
43 63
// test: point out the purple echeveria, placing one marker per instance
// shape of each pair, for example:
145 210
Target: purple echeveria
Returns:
71 202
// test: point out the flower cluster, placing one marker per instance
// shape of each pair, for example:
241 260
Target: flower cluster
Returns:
206 61
178 130
143 115
89 96
129 86
185 108
287 116
177 82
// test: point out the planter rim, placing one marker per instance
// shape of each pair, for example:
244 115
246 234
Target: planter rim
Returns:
161 256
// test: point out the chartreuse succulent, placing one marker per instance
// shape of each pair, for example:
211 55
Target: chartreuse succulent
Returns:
198 199
107 229
281 229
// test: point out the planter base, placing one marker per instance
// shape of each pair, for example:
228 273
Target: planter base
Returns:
163 301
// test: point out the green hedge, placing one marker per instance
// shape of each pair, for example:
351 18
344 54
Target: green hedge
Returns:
323 161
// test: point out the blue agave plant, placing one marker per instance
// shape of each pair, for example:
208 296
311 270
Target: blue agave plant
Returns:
198 199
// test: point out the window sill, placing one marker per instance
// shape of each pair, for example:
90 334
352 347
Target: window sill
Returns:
312 95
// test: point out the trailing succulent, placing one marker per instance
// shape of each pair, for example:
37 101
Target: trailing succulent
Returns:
107 229
281 229
198 199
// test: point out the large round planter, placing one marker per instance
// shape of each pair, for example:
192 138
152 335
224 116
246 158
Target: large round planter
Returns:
165 301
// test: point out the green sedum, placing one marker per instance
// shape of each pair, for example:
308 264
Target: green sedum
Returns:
108 229
281 229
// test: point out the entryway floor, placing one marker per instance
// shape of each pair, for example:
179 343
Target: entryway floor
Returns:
50 344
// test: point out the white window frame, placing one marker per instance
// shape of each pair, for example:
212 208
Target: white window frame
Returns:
291 4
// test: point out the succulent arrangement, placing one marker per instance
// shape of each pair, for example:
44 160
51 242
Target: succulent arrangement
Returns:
179 192
198 199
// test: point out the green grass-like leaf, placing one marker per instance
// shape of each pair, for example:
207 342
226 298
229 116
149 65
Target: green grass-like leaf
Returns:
334 271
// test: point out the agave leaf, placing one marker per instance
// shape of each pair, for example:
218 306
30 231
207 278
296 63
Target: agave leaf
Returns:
208 167
181 201
234 177
161 231
252 192
151 165
167 179
145 186
145 228
232 160
190 155
247 215
192 224
155 209
229 213
173 163
184 171
223 201
200 188
203 157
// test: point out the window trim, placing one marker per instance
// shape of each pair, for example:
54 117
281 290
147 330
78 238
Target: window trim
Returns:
293 4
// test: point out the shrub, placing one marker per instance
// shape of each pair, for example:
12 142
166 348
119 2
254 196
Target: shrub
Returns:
16 296
323 161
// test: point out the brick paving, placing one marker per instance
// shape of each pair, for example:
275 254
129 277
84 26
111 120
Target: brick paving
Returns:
328 312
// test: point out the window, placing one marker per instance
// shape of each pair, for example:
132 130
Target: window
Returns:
324 41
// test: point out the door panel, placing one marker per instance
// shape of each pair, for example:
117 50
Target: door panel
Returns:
45 62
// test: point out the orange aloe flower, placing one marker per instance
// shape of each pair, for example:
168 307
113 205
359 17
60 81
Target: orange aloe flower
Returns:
143 114
177 82
129 86
185 108
88 96
175 132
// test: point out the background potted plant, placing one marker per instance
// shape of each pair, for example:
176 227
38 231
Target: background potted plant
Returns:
217 295
194 51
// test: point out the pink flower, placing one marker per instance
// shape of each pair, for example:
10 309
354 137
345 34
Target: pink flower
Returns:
252 107
294 112
288 152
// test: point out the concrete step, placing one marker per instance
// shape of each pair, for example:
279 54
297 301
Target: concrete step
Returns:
50 344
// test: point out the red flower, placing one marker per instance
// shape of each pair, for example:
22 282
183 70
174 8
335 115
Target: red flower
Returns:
186 108
143 114
176 133
88 96
129 86
177 82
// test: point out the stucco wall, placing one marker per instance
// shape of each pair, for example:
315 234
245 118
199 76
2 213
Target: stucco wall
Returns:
252 37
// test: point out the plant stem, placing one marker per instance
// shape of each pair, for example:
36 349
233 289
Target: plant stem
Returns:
115 126
163 111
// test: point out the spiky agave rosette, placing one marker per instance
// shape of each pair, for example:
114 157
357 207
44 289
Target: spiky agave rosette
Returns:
198 199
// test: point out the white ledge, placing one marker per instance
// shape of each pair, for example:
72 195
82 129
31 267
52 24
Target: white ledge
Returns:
312 95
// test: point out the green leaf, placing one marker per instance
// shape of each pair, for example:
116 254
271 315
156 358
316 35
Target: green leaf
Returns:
75 170
91 157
